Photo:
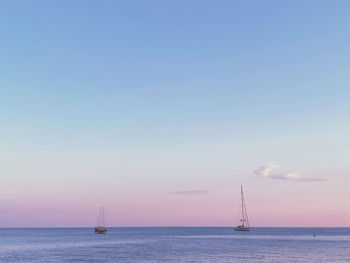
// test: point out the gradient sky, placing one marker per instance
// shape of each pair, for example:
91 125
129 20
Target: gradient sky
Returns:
160 110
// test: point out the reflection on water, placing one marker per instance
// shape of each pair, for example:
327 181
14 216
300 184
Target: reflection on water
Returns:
205 245
271 237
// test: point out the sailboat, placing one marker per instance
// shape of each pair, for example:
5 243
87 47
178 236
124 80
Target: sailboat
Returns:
244 226
100 228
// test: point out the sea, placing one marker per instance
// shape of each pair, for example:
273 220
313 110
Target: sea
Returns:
175 244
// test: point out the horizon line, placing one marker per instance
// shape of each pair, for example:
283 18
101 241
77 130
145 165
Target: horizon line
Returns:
61 227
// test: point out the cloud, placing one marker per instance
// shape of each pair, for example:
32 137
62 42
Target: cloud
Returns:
192 192
269 171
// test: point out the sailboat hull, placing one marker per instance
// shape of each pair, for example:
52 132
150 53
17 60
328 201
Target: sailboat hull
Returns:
242 229
100 230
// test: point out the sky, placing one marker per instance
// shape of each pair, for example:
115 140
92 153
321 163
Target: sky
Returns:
160 110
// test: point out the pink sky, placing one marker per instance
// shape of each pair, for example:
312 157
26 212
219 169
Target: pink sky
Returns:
215 202
129 104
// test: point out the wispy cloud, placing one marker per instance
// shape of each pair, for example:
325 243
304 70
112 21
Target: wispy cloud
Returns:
273 171
191 192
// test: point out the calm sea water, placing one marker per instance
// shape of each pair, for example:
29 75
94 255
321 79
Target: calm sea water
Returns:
176 245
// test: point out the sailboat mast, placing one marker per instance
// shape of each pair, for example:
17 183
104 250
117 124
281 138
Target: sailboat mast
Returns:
100 228
242 205
103 216
245 212
244 226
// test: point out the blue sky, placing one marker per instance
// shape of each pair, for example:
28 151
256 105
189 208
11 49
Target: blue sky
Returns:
226 86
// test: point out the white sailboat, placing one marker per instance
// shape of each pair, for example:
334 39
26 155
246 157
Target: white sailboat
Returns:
244 226
100 228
